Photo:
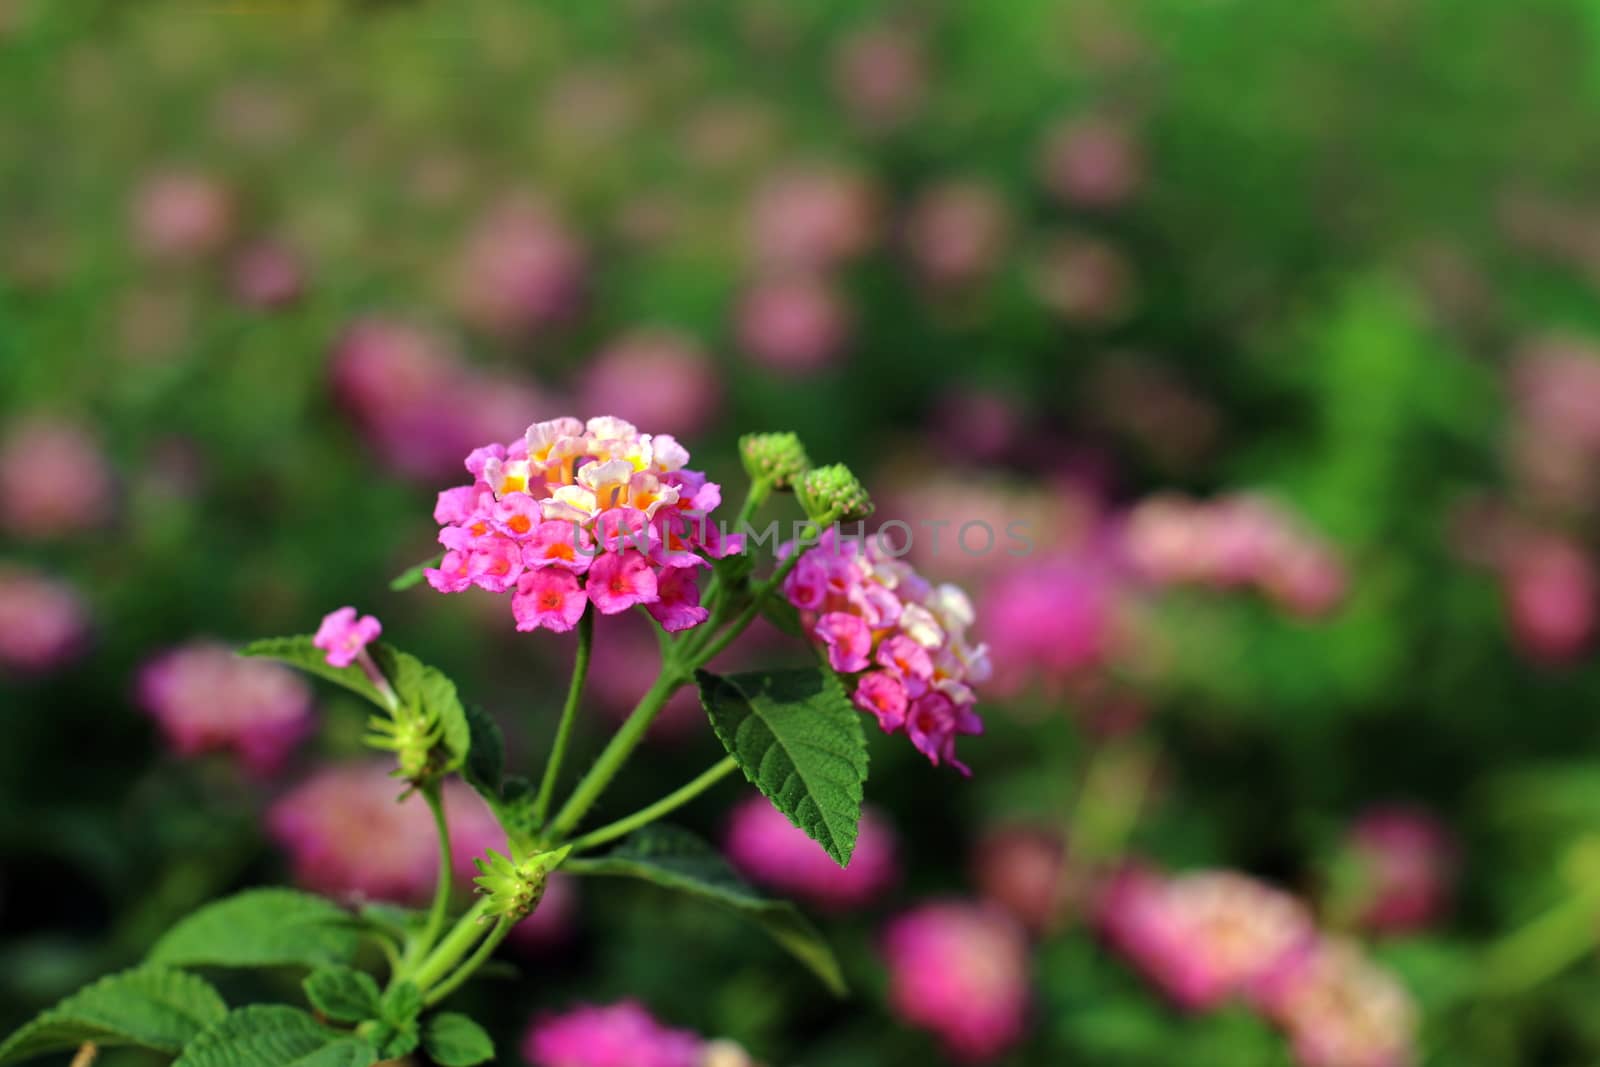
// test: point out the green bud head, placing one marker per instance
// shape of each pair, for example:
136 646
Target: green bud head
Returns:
778 458
413 740
833 494
514 884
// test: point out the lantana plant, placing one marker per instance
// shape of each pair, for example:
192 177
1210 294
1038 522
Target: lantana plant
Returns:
572 520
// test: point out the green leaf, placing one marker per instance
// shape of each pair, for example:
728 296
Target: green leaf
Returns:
428 690
452 1040
486 758
342 993
274 1035
413 575
798 738
402 1003
262 928
674 858
152 1007
299 652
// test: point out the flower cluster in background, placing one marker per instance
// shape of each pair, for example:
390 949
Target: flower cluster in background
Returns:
771 851
623 1034
1208 937
206 698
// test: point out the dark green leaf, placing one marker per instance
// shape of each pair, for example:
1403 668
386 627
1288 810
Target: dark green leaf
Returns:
798 738
262 928
274 1035
152 1007
453 1040
413 575
486 758
342 993
300 652
676 859
402 1003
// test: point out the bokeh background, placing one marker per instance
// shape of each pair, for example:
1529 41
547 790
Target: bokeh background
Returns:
1276 322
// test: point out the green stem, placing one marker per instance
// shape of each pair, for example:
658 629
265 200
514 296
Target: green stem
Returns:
445 883
701 656
616 752
456 944
671 802
580 672
760 489
1543 948
484 950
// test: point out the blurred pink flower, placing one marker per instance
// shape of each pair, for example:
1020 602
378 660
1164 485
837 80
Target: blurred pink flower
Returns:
205 698
1238 540
959 970
617 1035
1404 863
53 479
811 217
521 269
182 214
416 402
1554 439
1092 162
43 622
1341 1010
794 324
977 425
880 75
1060 616
1023 870
1204 936
349 835
1086 280
1550 588
956 232
267 276
658 378
771 851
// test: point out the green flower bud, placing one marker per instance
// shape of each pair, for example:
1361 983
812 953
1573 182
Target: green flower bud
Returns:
515 883
415 742
833 494
778 458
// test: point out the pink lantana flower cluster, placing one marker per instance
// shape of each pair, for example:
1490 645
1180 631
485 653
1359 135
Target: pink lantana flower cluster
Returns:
1210 936
1339 1009
770 850
903 637
1206 936
1236 541
960 971
623 1034
574 514
206 699
1401 864
44 623
347 836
